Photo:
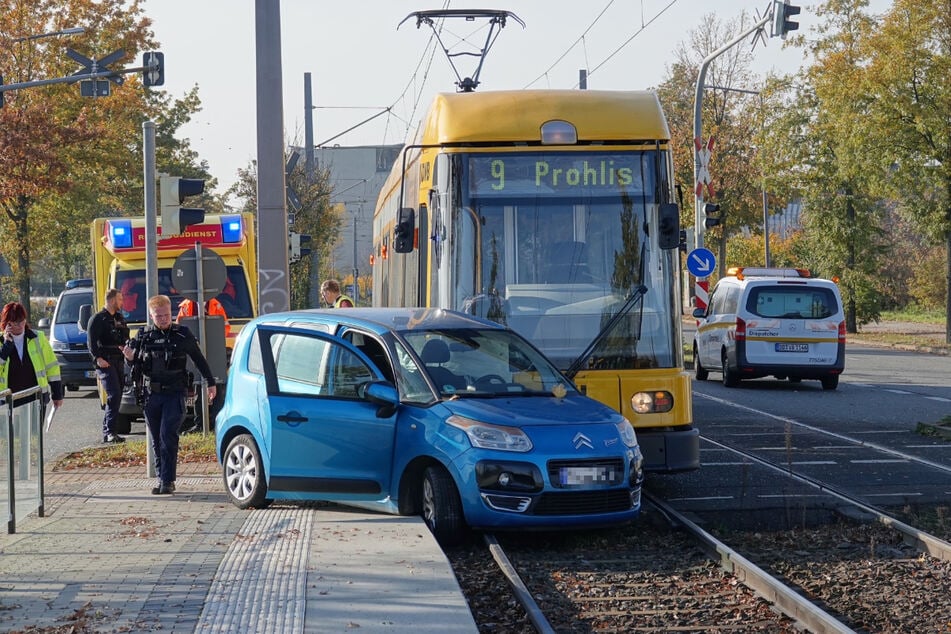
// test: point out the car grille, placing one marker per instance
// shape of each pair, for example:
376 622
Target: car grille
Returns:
583 502
77 357
614 465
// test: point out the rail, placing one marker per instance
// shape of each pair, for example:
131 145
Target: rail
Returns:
22 439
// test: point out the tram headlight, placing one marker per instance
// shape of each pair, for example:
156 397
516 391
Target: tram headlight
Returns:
626 431
487 436
652 402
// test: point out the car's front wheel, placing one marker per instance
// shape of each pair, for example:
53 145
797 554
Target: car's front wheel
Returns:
442 509
243 473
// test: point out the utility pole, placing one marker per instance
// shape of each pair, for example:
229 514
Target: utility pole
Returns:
310 170
273 283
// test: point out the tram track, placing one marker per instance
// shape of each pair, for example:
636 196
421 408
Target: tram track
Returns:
880 574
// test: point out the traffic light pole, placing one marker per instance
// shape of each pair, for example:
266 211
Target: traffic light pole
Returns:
104 74
700 289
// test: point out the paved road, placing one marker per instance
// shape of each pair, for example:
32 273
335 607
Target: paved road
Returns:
78 425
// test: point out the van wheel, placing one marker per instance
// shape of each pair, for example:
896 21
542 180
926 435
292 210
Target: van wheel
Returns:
830 382
702 373
731 378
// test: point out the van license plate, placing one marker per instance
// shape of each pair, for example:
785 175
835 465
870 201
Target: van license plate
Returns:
792 347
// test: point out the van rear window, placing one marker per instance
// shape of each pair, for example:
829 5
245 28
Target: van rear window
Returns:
800 302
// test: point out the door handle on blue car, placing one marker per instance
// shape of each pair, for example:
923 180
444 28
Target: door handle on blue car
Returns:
292 417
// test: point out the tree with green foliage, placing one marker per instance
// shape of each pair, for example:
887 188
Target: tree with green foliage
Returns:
813 144
728 115
66 159
909 118
316 218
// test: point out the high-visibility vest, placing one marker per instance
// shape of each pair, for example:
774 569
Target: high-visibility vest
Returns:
212 307
341 299
44 362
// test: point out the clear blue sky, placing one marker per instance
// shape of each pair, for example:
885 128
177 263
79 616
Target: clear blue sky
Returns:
360 63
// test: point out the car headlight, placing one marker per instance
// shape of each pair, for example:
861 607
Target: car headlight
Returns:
488 436
59 346
626 431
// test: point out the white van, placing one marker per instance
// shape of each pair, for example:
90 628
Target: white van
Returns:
769 321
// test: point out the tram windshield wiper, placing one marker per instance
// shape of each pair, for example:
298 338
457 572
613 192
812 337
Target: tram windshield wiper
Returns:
637 294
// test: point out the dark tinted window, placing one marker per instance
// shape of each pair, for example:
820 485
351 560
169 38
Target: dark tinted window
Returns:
792 302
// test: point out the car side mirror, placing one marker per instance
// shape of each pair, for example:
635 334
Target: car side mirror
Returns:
699 313
85 314
382 393
43 324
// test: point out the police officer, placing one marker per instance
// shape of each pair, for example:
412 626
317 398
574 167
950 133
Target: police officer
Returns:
162 353
106 335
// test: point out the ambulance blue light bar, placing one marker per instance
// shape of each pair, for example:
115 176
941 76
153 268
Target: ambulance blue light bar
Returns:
231 229
120 233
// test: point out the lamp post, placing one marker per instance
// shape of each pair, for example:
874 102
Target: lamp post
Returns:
76 30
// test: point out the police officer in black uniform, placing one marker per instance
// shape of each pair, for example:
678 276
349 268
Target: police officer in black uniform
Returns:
161 353
106 334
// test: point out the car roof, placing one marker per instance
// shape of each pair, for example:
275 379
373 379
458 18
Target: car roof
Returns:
382 320
85 290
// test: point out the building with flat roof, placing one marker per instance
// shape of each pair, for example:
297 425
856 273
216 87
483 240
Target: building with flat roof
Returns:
357 174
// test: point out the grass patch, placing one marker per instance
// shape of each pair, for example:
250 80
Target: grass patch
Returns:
191 448
934 341
914 314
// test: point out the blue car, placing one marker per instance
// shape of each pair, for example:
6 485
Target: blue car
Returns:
420 411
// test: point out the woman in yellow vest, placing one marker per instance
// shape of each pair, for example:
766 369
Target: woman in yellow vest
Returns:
26 358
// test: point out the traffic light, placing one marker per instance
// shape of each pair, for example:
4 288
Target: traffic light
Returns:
295 248
782 12
173 191
713 215
153 69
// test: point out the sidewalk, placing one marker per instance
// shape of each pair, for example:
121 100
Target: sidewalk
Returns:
110 557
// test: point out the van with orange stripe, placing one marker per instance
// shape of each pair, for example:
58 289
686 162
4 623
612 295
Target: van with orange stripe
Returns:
771 322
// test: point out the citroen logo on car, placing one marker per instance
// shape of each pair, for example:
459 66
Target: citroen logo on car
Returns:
580 440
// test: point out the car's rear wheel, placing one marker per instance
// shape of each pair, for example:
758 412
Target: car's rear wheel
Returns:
442 509
243 473
731 378
701 371
830 382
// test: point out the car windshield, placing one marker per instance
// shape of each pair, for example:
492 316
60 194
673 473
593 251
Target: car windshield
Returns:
484 363
68 310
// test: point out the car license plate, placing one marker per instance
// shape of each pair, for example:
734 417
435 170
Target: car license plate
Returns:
578 476
792 347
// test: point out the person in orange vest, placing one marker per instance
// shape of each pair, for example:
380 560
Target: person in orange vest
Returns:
212 307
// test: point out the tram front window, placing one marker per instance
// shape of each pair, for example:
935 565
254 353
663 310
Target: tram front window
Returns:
556 268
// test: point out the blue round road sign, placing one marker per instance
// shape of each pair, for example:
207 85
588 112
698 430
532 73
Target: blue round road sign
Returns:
701 262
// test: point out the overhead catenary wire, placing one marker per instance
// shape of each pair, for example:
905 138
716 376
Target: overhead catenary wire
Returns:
581 40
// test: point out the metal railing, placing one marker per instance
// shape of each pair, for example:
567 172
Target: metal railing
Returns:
21 447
